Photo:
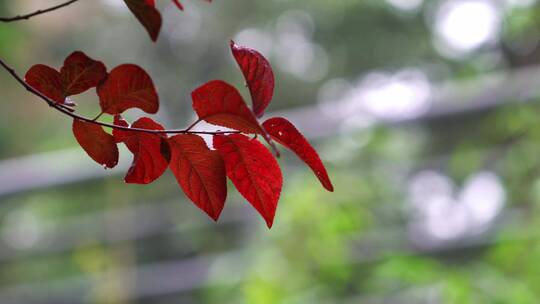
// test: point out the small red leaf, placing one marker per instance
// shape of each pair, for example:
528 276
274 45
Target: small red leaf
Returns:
78 74
47 81
285 133
258 74
147 14
97 143
178 4
149 162
200 172
219 103
128 86
253 170
81 73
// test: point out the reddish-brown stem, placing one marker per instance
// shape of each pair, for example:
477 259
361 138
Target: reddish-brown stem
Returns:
270 142
68 108
71 113
38 12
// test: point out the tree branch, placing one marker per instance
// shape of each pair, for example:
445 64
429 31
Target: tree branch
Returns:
71 113
38 12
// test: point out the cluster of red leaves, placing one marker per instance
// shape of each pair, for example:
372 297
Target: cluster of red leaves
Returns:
146 12
200 171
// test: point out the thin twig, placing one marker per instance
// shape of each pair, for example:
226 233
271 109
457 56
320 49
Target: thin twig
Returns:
98 116
270 142
193 124
39 12
69 112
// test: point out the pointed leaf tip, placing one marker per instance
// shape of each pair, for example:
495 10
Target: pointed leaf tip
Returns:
285 133
253 170
200 172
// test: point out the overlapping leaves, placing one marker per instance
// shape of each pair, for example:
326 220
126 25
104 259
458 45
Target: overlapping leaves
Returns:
148 15
200 171
78 74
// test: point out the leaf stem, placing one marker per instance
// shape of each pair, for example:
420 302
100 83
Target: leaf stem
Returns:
98 116
193 124
71 112
38 12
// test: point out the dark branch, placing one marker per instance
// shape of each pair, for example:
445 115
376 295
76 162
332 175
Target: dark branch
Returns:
39 12
70 112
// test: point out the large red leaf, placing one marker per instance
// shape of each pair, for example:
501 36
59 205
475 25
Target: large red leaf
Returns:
200 172
150 152
128 86
147 14
81 73
284 132
258 74
47 81
97 143
253 170
219 103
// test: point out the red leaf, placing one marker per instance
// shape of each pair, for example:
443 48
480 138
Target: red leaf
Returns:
219 103
178 4
147 14
200 172
97 143
149 158
47 81
285 133
78 74
81 73
258 74
118 134
253 170
128 86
